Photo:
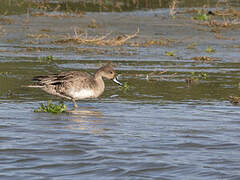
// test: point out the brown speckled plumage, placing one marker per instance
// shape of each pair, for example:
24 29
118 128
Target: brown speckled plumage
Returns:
75 85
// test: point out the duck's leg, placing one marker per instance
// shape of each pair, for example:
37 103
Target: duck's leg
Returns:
74 103
61 101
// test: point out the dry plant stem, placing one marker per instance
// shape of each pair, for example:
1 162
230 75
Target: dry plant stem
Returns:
172 7
234 99
205 58
214 23
83 38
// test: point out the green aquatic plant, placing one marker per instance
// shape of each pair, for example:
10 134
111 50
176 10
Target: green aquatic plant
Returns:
5 73
51 108
124 87
201 16
192 46
46 59
49 58
199 76
195 77
202 75
210 50
170 53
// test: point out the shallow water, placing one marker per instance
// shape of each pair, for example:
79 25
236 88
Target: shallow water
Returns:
125 140
159 128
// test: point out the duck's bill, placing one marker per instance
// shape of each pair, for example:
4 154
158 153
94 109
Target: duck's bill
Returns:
116 81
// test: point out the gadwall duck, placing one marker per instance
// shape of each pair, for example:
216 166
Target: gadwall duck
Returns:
75 85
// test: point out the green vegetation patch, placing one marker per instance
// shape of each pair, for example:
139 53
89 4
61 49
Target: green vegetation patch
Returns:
125 86
201 16
195 77
51 108
210 50
170 53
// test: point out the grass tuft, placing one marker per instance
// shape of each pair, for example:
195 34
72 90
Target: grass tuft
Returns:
210 50
170 53
51 108
201 16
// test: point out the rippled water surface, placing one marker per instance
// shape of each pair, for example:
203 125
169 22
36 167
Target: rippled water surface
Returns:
121 140
159 128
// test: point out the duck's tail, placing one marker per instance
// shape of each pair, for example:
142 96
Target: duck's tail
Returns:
32 86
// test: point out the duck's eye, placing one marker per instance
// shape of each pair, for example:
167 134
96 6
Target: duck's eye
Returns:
111 72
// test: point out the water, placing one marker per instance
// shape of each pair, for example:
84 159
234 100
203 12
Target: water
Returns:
125 140
159 128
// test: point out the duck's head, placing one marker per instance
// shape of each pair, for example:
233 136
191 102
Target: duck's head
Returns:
109 73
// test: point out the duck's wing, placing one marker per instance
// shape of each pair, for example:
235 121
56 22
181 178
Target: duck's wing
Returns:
62 78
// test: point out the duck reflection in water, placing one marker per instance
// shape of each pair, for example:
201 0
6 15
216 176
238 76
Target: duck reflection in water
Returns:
86 120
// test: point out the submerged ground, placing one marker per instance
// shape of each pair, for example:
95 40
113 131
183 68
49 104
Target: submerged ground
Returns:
173 121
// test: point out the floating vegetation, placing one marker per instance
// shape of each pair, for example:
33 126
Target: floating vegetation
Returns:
161 42
195 77
234 99
225 23
170 53
202 76
110 52
125 87
205 58
38 36
104 40
91 50
227 10
57 14
210 50
51 108
33 49
47 59
81 37
45 30
45 8
5 74
202 16
192 46
235 46
218 36
223 17
4 20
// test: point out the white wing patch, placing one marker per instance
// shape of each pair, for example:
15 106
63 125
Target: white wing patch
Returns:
84 93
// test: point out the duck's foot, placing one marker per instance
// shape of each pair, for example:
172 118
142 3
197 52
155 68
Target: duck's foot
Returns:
75 104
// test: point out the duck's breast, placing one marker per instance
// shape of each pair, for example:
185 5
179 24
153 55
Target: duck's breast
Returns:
82 94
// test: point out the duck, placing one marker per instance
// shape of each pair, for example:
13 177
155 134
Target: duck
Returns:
76 85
